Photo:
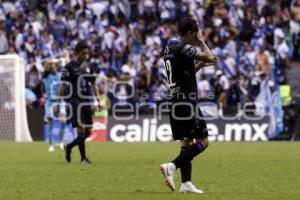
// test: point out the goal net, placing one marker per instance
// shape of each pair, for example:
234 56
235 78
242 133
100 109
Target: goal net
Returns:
13 116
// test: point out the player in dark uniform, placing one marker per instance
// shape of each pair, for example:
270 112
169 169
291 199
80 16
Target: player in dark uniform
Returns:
81 81
182 61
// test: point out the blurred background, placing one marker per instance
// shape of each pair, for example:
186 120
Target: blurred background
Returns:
257 42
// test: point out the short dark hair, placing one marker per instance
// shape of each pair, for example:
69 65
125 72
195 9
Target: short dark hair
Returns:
80 45
187 24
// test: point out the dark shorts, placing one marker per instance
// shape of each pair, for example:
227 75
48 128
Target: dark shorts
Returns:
80 116
187 124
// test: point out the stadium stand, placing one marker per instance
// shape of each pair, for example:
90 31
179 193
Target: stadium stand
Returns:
256 41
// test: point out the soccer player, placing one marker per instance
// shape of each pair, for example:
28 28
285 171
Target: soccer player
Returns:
182 61
81 82
51 83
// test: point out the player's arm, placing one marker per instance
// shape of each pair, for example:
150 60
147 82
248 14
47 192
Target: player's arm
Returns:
203 56
96 92
206 55
200 65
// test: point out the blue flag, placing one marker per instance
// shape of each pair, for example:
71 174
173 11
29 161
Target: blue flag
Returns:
269 103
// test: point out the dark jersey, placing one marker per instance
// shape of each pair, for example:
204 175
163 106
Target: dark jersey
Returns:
180 70
80 78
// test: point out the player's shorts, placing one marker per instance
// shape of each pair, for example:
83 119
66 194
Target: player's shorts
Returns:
50 110
186 124
79 115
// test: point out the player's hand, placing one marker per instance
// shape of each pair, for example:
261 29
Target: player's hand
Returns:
99 107
213 59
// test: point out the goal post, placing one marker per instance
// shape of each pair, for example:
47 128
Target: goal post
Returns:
13 114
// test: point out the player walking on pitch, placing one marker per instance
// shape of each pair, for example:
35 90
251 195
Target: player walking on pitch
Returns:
81 79
186 119
51 83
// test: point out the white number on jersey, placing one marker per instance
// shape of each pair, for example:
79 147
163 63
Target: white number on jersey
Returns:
169 72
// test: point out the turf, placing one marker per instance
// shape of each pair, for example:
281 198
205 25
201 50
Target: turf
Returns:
130 171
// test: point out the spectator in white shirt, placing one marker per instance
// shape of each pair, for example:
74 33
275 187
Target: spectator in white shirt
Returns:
282 50
203 87
130 69
222 89
250 56
3 42
230 64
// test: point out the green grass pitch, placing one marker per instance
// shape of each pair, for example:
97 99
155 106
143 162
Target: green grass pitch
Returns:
130 171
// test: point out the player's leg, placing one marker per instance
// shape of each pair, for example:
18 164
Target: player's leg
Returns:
168 170
62 119
81 145
81 139
77 141
201 143
48 119
84 159
50 128
61 133
190 152
179 131
87 120
200 133
72 112
187 186
186 168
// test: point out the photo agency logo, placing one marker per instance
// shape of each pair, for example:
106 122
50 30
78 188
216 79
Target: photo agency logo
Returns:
124 108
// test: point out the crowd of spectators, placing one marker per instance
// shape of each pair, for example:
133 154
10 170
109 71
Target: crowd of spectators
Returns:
255 40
